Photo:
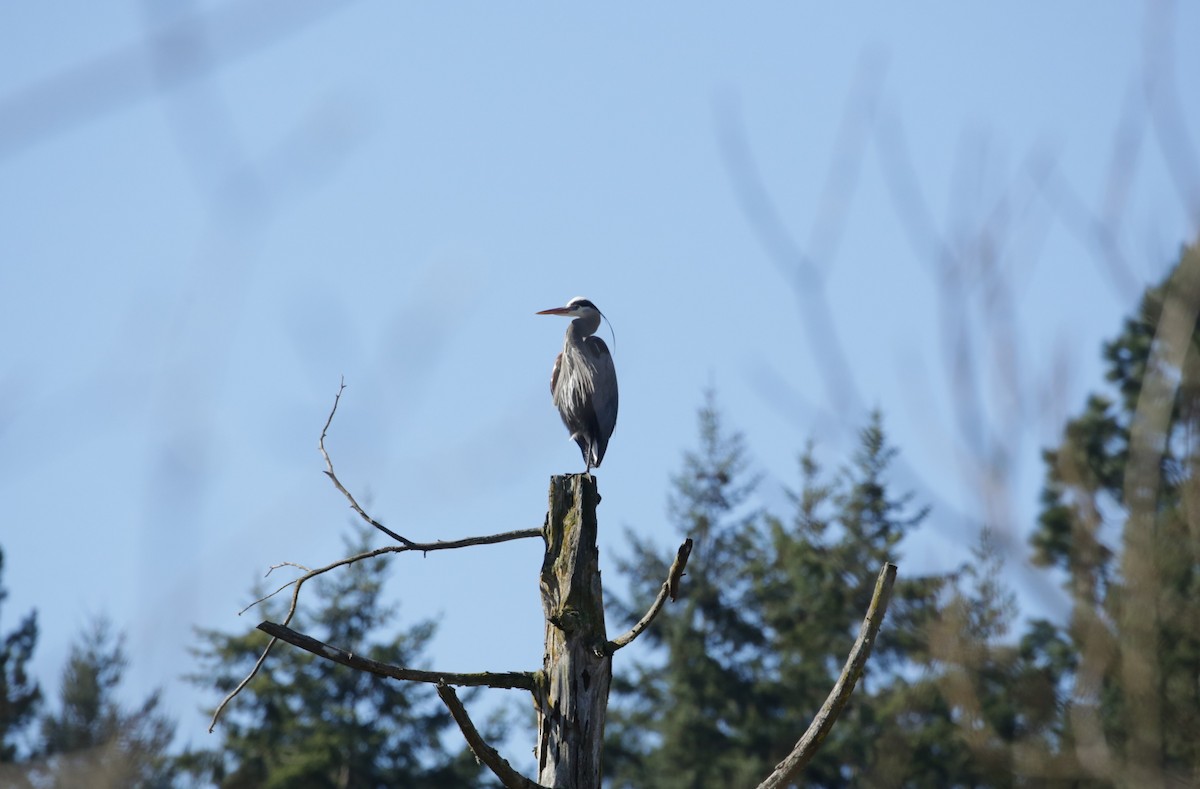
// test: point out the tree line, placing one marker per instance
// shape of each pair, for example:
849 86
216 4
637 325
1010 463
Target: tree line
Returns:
962 690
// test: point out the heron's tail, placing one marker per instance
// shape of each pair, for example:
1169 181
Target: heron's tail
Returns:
593 451
597 452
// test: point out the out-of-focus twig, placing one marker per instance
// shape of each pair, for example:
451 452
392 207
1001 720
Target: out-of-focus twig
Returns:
95 87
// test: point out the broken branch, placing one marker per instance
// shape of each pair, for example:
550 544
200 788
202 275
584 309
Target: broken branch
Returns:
670 588
808 745
483 752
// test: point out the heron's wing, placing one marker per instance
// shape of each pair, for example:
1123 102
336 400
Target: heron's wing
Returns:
604 387
554 373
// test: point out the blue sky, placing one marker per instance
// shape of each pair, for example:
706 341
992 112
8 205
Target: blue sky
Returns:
201 233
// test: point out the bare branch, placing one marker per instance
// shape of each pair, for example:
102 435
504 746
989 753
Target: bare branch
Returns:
254 671
407 545
410 545
670 588
270 570
520 680
267 596
805 273
299 582
810 743
1166 110
483 752
1150 435
113 80
338 484
465 542
1101 233
675 574
275 567
423 547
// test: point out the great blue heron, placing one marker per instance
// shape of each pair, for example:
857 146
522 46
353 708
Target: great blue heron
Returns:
584 382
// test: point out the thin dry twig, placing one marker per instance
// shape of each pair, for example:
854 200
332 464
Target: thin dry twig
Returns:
270 570
483 752
514 680
299 582
275 567
406 545
670 588
810 743
423 547
409 545
338 483
253 672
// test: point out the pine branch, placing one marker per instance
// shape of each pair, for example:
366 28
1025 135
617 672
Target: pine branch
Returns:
808 745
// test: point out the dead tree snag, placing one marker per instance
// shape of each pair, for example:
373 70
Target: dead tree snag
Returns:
570 692
571 695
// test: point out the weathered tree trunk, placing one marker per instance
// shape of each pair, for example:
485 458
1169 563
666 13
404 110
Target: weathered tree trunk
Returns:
571 692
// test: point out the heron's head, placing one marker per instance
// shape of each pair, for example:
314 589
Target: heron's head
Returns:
586 316
578 307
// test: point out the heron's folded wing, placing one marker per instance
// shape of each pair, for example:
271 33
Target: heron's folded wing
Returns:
604 386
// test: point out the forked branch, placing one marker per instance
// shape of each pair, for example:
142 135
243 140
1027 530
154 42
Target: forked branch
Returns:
483 752
810 743
405 545
670 588
521 680
411 545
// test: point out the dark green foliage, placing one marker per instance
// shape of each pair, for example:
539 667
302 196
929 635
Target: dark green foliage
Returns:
304 721
19 692
814 578
768 614
92 739
684 723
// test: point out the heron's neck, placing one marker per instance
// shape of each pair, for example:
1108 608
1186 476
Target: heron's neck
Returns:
583 327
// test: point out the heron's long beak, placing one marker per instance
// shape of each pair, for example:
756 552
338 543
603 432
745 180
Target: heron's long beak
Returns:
555 311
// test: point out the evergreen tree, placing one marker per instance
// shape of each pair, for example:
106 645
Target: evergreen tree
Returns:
305 721
812 581
1001 693
684 716
92 739
768 615
1120 516
19 692
952 695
